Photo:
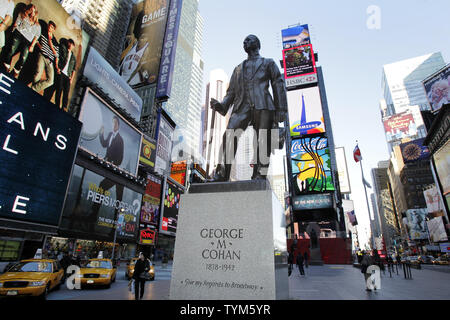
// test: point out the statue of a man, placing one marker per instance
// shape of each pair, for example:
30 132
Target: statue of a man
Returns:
252 103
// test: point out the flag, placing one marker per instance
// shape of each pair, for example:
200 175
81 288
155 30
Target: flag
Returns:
366 183
357 154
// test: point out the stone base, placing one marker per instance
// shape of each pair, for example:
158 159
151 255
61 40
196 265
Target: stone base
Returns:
230 244
316 257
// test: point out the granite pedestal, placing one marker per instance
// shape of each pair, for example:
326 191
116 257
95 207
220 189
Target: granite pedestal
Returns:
230 244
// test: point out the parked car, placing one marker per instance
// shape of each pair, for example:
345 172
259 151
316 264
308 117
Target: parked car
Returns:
130 269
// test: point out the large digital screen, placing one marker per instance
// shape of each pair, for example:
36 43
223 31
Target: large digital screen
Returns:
27 48
305 112
94 204
437 88
39 143
107 135
312 202
311 165
151 202
299 61
171 202
414 151
178 172
295 36
141 56
399 126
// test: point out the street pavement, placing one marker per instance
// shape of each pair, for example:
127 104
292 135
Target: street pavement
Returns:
327 282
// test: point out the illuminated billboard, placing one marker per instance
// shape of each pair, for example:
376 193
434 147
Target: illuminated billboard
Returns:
164 144
151 202
295 36
312 202
414 151
140 59
171 202
31 57
341 161
299 61
399 126
39 144
311 165
148 152
437 88
178 172
94 203
305 112
107 135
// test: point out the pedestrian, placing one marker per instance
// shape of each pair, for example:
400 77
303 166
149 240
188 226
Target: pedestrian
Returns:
305 256
290 262
365 263
300 261
140 269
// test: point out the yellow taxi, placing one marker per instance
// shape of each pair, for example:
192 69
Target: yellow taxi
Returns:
130 269
97 272
33 277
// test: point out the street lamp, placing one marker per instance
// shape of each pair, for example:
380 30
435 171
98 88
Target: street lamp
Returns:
118 223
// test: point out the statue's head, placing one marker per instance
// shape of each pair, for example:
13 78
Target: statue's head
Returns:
251 43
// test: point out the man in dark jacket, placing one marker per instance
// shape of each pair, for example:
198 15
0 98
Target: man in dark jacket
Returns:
300 261
67 64
140 268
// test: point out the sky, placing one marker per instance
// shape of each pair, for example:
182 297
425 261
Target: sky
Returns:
353 39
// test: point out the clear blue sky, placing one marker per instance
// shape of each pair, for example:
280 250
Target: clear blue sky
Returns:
351 56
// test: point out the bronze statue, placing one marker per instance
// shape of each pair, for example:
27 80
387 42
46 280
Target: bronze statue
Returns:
252 103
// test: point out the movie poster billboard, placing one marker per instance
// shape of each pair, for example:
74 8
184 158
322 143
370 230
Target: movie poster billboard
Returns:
399 126
55 81
437 88
151 201
341 162
140 59
94 204
38 147
171 203
305 112
311 165
148 152
416 220
436 229
107 135
414 151
295 36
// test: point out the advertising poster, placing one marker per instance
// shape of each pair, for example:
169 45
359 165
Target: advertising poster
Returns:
414 150
442 163
56 81
100 72
311 165
107 135
437 230
305 112
151 201
140 59
312 202
95 203
148 152
171 203
416 219
178 172
341 161
295 36
39 143
399 126
299 61
164 145
437 88
433 200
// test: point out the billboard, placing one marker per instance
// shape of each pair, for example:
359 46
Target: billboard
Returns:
414 151
102 74
140 59
299 61
341 161
433 200
39 143
164 145
437 230
442 162
305 112
94 203
151 201
311 165
416 221
148 152
164 86
399 126
55 81
178 172
437 88
171 203
295 36
312 202
107 135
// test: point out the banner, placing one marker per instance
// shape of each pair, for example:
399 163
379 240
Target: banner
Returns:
107 135
437 88
151 202
94 203
140 59
101 73
56 82
305 112
417 224
171 203
311 165
414 151
295 36
39 143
